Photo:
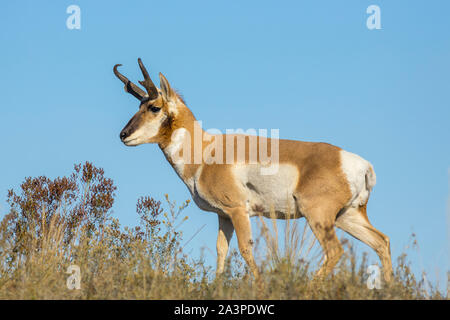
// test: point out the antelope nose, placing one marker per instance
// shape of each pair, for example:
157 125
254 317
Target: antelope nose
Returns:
123 135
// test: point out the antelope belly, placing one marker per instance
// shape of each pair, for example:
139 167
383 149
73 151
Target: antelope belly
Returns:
266 193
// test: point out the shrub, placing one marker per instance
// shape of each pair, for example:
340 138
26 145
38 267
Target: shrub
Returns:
55 224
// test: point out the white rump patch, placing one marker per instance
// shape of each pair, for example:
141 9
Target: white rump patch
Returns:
360 177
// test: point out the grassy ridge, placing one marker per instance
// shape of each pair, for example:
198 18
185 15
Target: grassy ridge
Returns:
53 224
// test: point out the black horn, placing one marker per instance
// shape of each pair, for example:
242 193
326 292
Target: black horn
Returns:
130 87
148 83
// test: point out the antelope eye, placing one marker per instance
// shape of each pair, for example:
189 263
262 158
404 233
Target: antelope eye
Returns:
154 109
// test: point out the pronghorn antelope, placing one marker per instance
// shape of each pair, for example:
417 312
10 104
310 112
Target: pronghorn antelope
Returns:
321 182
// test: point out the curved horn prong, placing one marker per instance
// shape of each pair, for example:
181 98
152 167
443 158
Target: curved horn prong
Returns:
130 87
148 83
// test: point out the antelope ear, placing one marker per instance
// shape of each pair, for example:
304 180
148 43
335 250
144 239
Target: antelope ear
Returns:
167 91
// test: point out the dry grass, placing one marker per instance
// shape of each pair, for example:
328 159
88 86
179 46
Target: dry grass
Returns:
53 224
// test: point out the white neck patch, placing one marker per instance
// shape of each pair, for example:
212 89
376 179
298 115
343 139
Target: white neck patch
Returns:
173 150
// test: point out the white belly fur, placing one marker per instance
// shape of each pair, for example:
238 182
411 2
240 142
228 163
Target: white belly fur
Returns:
266 193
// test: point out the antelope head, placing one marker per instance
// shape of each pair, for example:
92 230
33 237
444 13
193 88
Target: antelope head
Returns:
156 109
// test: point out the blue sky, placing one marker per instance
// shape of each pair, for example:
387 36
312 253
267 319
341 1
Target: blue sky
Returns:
311 69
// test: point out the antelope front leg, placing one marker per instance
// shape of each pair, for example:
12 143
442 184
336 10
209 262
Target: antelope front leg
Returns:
223 241
241 223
